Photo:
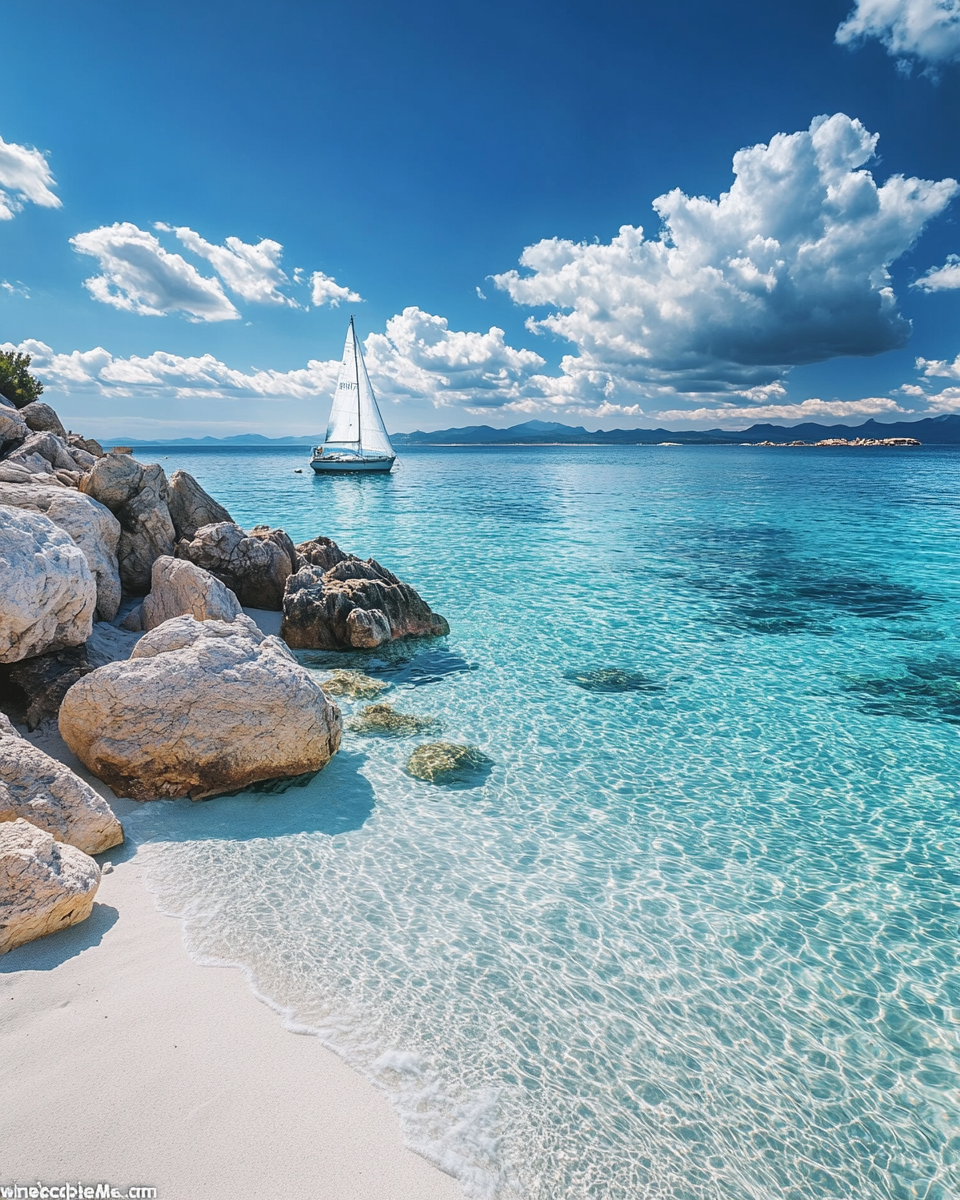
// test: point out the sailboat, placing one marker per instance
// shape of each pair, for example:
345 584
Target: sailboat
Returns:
357 439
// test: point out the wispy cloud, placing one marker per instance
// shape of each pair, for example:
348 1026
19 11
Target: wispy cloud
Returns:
941 279
326 290
807 410
140 276
928 30
25 177
250 271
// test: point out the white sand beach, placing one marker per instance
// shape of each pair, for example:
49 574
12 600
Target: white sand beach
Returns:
123 1061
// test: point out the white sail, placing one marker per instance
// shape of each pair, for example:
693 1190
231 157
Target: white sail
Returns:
344 426
355 420
373 432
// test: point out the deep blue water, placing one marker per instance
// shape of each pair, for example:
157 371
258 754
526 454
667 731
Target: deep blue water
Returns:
695 934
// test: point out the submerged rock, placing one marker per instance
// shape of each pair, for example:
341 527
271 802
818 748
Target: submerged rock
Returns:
91 525
446 762
353 604
354 684
190 506
47 593
383 720
44 884
254 566
178 588
199 708
48 794
612 679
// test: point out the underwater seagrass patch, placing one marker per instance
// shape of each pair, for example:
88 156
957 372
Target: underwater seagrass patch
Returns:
383 720
447 762
354 684
926 690
612 679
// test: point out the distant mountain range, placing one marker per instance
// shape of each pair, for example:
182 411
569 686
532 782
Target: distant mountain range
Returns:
943 431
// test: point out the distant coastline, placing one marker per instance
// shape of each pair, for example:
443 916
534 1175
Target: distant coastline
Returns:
941 431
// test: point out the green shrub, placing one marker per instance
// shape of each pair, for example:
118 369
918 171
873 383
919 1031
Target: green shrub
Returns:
16 382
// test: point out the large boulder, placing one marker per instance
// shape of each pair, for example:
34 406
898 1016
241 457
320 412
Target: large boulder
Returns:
199 708
179 587
45 885
254 566
41 418
49 795
137 497
91 525
353 604
47 592
190 506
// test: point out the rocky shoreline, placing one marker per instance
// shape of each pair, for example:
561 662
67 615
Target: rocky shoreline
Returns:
121 598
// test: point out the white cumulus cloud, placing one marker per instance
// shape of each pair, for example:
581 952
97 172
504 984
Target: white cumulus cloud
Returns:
326 290
25 176
787 267
934 368
250 271
139 276
928 30
161 374
420 356
941 279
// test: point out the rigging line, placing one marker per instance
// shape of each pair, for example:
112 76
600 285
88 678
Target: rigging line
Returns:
356 371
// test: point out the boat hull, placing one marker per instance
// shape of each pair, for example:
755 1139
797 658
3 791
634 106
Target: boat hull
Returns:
348 466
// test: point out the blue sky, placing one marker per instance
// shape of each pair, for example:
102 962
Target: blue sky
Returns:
197 193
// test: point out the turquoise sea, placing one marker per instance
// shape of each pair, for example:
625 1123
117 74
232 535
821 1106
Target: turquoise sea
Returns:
694 939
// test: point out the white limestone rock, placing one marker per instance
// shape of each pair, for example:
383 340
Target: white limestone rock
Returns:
137 496
191 507
178 588
48 794
12 426
45 885
91 525
41 418
48 446
255 565
199 708
47 592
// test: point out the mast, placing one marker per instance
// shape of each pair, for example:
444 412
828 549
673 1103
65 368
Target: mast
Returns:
356 369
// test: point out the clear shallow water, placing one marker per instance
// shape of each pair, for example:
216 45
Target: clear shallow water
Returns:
697 939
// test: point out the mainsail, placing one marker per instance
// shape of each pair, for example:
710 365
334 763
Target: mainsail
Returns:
355 420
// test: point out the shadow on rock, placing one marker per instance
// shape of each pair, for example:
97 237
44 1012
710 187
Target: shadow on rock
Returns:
48 952
406 662
337 799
